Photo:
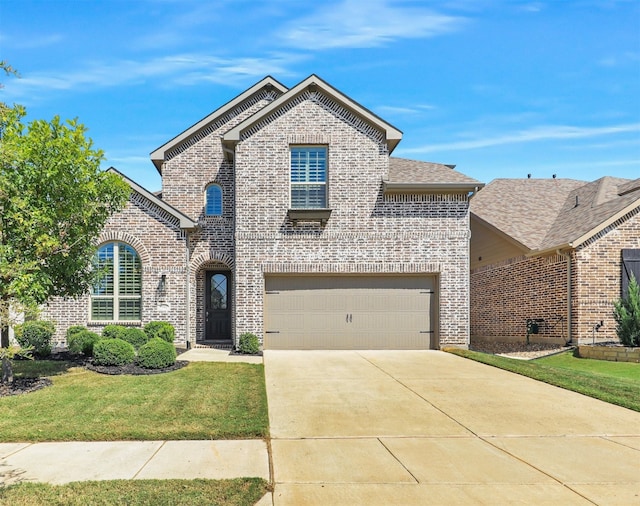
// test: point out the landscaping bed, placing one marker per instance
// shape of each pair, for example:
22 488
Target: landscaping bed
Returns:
520 350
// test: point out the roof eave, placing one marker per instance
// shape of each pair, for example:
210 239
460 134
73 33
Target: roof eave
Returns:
578 241
158 155
398 187
504 235
392 134
186 223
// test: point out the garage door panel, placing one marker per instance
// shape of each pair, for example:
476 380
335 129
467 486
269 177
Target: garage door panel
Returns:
348 312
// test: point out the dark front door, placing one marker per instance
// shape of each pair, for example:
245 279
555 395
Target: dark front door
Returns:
218 306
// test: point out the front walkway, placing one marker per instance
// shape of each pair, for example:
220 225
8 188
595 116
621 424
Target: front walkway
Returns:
393 427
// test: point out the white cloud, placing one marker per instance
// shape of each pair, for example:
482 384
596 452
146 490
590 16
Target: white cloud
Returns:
534 134
390 109
352 24
183 69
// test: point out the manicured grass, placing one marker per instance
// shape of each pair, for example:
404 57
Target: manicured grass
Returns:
238 492
568 361
616 383
201 401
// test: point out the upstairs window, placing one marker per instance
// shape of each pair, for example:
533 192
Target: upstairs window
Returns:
118 293
308 177
213 201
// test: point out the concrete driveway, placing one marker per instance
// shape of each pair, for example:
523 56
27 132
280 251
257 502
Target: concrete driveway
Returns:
427 427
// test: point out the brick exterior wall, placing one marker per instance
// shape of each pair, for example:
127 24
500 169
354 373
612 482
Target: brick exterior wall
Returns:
597 277
368 232
504 295
160 243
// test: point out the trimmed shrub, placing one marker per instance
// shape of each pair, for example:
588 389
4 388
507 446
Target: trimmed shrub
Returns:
74 329
113 351
163 330
82 342
135 336
156 354
627 315
36 333
114 331
249 344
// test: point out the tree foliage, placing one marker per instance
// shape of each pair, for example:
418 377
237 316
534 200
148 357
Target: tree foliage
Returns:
54 202
627 315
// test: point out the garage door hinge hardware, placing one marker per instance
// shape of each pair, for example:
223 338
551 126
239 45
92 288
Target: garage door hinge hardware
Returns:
269 292
426 331
272 332
349 318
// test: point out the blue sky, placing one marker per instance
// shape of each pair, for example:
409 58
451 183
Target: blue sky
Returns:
500 88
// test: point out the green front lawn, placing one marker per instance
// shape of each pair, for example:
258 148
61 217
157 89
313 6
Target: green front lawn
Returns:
200 401
238 492
566 360
613 382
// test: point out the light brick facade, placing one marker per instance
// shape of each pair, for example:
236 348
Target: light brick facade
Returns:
368 231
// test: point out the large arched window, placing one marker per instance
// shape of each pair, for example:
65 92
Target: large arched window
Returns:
213 201
117 295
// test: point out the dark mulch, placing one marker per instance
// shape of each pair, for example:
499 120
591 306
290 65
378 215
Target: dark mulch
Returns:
27 385
24 386
133 368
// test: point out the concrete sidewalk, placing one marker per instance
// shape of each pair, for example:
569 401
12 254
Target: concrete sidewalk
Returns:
427 427
64 462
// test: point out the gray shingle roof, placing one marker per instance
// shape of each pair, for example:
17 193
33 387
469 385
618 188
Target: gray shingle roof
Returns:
402 170
542 213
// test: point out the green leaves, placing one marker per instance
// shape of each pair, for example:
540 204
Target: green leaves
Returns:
627 315
54 202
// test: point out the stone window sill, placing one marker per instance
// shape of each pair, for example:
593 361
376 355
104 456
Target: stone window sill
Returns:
319 215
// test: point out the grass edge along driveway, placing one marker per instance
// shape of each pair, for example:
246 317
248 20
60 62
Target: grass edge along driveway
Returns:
204 400
613 384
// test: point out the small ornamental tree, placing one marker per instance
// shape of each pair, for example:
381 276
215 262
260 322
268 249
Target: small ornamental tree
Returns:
627 315
54 202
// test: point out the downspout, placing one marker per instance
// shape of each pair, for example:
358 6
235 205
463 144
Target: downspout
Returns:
188 286
567 256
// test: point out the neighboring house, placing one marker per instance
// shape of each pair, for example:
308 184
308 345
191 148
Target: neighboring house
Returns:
282 214
556 252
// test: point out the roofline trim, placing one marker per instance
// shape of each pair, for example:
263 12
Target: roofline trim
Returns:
186 223
157 155
504 235
392 134
398 187
589 234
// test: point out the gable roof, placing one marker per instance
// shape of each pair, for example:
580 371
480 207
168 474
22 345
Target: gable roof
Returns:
392 134
269 83
183 219
414 175
548 214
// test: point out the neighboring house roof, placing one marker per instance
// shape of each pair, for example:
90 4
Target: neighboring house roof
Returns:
185 221
549 214
313 82
159 154
414 175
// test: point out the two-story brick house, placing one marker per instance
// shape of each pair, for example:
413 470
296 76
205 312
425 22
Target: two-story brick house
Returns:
282 213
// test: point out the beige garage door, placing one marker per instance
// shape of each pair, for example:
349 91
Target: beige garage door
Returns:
349 312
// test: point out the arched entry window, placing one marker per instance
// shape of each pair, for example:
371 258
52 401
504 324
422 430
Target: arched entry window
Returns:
118 293
213 201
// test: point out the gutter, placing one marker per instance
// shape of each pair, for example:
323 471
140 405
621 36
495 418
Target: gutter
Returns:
393 187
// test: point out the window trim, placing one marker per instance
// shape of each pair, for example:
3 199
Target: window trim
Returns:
324 183
206 199
116 297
